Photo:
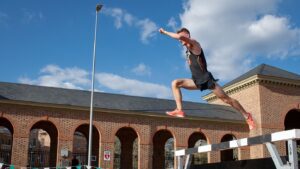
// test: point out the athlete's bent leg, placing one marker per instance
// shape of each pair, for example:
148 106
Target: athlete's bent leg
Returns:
176 85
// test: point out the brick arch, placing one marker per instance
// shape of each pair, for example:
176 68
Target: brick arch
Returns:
6 123
165 129
15 125
127 136
159 140
44 119
83 157
291 120
75 127
115 129
134 128
100 130
193 139
228 155
285 111
52 130
6 153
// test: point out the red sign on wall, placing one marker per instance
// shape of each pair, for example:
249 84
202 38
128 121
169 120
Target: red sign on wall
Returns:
106 155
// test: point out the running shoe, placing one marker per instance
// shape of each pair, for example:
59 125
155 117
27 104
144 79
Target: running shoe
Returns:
176 113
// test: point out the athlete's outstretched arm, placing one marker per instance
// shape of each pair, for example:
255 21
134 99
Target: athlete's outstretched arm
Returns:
171 34
178 36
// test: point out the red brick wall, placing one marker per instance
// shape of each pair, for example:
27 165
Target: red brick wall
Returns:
276 101
269 103
23 117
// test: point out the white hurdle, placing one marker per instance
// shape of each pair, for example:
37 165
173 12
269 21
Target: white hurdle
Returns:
289 135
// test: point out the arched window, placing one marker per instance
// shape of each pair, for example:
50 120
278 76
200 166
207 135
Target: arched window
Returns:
80 146
291 121
126 149
6 137
198 139
231 154
42 153
163 150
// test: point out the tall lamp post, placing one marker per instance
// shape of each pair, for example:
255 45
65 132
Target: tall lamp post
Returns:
98 8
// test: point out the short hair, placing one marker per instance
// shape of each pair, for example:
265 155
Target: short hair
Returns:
184 30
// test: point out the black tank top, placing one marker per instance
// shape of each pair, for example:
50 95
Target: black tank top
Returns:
198 67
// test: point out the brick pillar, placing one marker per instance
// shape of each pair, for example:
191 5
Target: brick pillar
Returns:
244 153
64 144
107 146
214 157
145 156
20 150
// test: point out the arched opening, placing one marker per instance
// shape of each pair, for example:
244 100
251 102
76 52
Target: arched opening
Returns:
163 150
42 151
6 140
196 140
126 149
291 121
117 153
231 154
80 146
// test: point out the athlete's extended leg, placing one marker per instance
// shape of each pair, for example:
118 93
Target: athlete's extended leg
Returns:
176 85
219 92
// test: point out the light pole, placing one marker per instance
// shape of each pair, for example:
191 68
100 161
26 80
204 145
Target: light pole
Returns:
98 8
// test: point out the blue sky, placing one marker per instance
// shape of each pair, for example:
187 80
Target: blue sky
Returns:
50 43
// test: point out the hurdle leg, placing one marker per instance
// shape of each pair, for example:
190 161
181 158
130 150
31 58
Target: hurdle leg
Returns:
180 162
188 161
275 156
293 156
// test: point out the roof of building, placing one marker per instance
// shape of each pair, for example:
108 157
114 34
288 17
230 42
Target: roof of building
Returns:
106 101
265 70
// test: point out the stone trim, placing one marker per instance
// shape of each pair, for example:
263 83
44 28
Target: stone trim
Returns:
251 81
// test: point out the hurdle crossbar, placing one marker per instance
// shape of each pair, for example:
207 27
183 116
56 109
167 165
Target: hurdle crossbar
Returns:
289 135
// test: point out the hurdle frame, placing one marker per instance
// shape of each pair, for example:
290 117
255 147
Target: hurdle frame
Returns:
291 136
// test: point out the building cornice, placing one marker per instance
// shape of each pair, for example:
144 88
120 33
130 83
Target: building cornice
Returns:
254 80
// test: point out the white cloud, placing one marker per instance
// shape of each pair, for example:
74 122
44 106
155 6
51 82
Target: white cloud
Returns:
117 14
77 78
132 86
232 33
273 36
148 29
142 69
129 19
172 24
54 76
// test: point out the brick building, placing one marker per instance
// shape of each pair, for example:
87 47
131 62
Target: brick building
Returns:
128 123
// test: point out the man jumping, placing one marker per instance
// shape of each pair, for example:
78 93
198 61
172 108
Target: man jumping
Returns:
201 78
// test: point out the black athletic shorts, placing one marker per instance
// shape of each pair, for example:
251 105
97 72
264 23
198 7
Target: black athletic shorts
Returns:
209 84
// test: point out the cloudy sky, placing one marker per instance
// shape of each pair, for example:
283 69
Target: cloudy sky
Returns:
50 43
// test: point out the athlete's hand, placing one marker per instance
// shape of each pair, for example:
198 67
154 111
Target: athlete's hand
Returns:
161 30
